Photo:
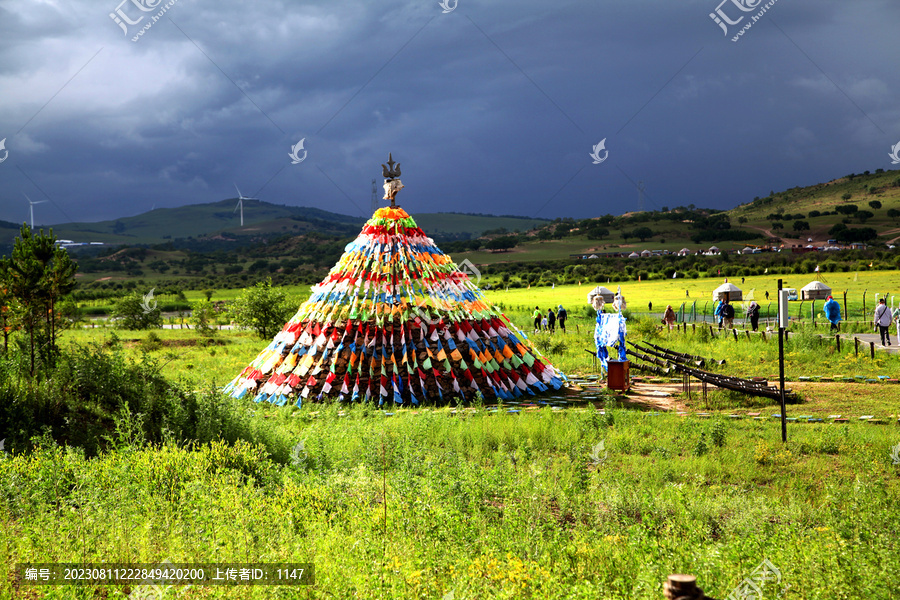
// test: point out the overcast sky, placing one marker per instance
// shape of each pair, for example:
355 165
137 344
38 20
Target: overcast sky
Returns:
493 106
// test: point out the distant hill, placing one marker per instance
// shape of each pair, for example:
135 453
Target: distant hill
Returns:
202 220
218 221
875 196
462 226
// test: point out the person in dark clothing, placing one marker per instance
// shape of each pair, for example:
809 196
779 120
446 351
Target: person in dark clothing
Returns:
551 320
767 295
650 306
728 315
561 316
753 313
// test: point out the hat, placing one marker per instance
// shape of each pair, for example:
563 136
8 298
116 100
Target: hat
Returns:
829 298
559 307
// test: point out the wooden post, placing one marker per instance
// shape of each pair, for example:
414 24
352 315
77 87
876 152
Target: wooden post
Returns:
694 327
764 336
856 346
682 587
864 303
747 331
734 331
711 331
872 349
846 314
837 341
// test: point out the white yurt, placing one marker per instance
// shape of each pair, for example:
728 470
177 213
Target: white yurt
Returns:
730 291
634 255
607 294
684 252
815 290
713 250
646 253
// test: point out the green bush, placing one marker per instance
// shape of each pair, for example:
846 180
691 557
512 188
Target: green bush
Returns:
136 311
95 393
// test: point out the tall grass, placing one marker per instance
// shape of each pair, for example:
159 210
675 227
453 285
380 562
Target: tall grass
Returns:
96 393
481 505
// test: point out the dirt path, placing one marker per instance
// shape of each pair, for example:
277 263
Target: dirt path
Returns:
768 232
661 396
890 231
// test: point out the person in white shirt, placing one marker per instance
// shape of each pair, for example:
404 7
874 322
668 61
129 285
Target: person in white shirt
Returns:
883 321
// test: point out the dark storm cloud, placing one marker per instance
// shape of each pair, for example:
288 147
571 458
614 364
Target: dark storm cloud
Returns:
493 107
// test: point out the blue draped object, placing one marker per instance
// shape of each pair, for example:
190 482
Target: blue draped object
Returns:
610 329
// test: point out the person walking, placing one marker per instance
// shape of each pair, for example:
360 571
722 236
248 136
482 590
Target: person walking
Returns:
767 294
669 317
650 306
753 314
561 316
551 320
718 312
883 321
538 315
728 315
833 313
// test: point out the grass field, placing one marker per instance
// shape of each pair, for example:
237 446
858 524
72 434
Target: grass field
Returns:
427 504
445 502
677 291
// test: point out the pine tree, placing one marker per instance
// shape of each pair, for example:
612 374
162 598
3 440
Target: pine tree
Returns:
37 274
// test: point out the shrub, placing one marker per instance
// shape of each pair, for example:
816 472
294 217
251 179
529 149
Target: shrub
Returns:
262 308
136 311
95 395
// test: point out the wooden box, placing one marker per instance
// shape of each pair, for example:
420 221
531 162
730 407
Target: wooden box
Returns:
617 377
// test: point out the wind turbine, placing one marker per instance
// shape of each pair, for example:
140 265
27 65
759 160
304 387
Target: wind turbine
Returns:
240 203
31 207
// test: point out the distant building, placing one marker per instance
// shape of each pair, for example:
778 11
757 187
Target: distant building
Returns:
728 291
815 290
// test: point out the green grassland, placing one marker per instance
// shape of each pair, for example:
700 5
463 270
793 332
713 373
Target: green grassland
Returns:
433 502
221 358
677 291
473 502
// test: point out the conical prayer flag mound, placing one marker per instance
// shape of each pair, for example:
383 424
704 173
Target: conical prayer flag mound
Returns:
395 320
